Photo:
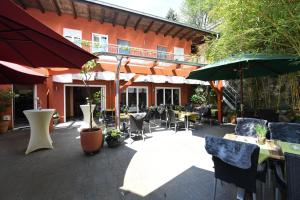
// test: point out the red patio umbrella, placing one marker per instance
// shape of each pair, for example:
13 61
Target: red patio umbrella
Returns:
26 41
11 73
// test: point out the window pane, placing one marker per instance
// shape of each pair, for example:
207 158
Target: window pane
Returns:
176 96
123 46
132 104
161 52
142 99
159 96
168 97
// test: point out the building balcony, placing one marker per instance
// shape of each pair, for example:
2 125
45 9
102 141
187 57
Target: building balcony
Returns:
140 53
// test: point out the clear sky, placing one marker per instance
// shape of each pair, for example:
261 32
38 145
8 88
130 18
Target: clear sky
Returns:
154 7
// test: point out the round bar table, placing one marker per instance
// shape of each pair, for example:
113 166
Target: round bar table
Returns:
86 116
39 121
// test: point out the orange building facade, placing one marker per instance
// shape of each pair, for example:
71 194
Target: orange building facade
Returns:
66 95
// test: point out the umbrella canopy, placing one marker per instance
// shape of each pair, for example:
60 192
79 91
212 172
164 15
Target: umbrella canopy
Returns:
26 41
11 73
246 66
251 65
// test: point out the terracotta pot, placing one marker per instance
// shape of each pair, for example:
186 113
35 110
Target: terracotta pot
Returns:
4 126
233 119
91 140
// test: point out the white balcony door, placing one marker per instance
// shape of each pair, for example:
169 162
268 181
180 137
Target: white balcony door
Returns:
73 35
178 53
99 43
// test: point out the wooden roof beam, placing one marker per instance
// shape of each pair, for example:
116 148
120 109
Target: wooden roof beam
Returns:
160 28
126 21
89 13
187 34
169 30
58 11
42 9
137 23
177 32
116 14
102 17
128 83
190 37
149 27
74 9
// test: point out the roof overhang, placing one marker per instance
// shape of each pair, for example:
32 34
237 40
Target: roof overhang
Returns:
116 15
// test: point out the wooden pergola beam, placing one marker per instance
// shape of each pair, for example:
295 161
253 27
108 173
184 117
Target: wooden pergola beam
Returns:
74 9
58 11
89 13
126 21
218 91
116 14
102 17
40 5
137 23
160 28
169 30
175 34
190 37
128 83
149 27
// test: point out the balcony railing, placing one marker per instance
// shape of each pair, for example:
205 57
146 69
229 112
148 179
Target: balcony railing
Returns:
112 49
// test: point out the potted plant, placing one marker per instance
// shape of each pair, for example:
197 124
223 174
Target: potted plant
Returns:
55 118
231 116
6 97
199 97
113 137
90 138
261 131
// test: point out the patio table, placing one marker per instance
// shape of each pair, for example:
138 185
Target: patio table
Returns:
185 115
271 149
39 121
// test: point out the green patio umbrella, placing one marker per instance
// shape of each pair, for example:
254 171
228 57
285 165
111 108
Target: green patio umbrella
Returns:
246 66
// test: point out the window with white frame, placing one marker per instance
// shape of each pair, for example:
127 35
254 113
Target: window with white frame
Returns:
73 35
135 98
167 96
178 53
99 43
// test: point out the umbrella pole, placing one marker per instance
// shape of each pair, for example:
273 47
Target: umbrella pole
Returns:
242 92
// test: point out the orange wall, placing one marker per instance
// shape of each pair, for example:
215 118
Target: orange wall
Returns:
137 38
58 91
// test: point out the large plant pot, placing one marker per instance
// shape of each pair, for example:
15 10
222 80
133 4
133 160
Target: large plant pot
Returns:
91 140
4 126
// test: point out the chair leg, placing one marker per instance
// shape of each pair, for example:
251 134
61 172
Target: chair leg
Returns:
254 196
143 136
263 190
215 188
175 127
149 127
277 194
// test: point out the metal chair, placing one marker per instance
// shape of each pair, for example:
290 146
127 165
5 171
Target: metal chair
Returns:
287 132
161 109
172 119
136 122
246 126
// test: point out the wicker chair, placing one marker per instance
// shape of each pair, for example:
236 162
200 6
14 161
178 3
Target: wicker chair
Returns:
246 126
287 132
290 186
136 122
172 119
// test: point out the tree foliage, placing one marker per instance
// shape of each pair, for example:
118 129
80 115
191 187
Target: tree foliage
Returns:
195 13
252 26
172 15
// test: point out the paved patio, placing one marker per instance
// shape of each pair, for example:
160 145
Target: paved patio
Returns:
167 166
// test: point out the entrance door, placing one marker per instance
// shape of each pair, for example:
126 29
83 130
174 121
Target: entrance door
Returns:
76 96
24 100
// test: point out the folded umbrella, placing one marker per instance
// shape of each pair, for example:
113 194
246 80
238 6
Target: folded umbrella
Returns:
26 41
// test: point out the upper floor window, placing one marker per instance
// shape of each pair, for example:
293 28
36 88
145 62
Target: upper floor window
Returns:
99 43
161 52
123 46
178 53
73 35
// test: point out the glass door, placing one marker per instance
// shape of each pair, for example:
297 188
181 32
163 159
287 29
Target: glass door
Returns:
99 43
136 99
